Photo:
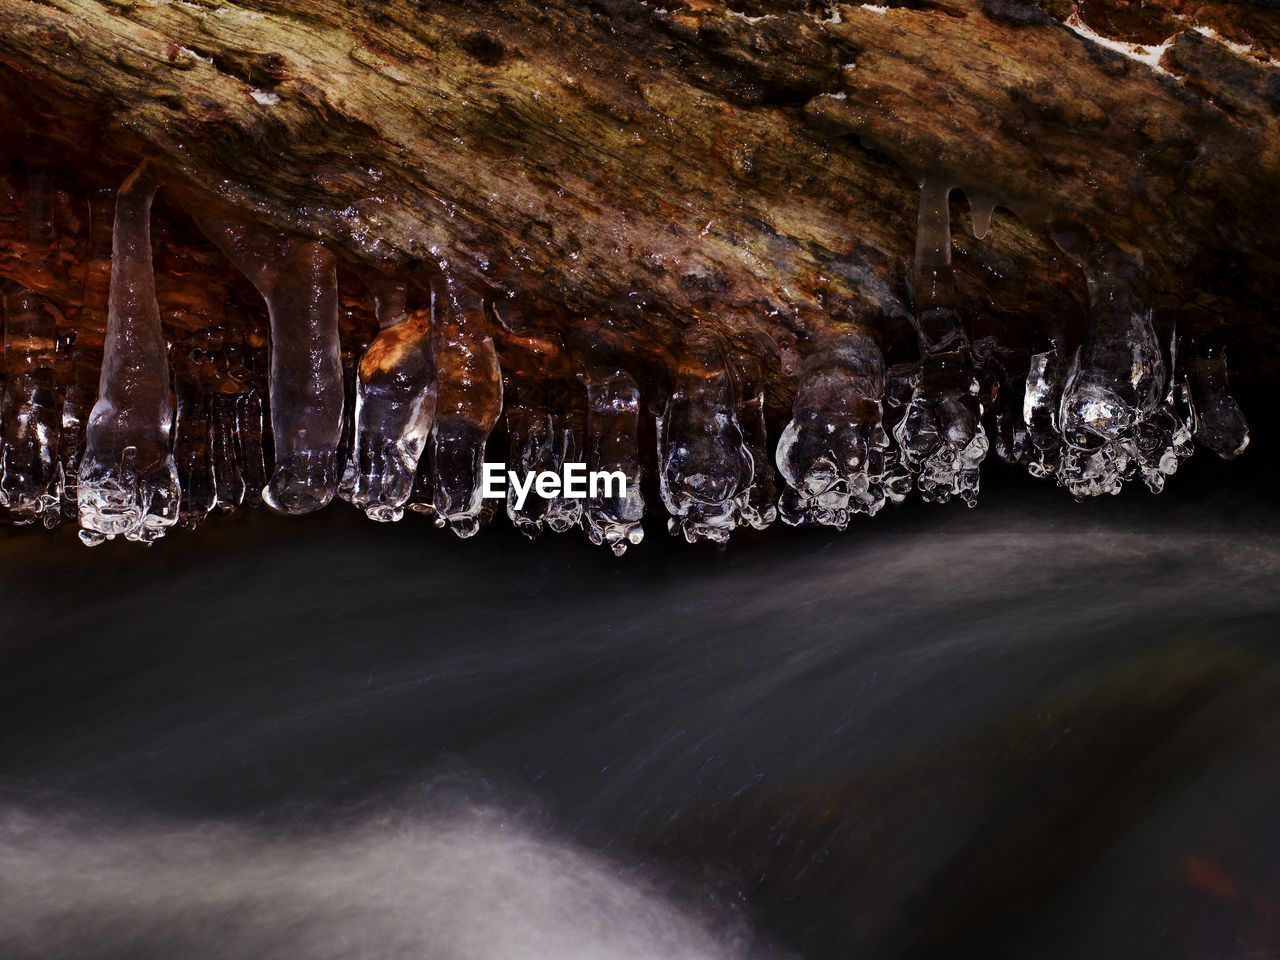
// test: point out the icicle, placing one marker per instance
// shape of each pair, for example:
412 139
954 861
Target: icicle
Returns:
981 208
191 432
1219 424
563 513
31 474
128 483
831 453
535 445
252 443
228 480
1116 382
395 409
1004 378
541 433
941 434
298 280
1042 394
469 402
758 504
613 518
86 352
703 463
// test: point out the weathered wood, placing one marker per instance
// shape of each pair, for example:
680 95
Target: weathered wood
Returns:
639 168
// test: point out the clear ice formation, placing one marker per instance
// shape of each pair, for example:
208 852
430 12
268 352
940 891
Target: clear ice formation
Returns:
540 441
128 482
941 434
1219 424
252 441
541 435
704 466
1118 416
1040 412
31 472
90 429
191 432
298 280
231 371
394 412
86 350
832 452
468 404
758 504
224 454
612 444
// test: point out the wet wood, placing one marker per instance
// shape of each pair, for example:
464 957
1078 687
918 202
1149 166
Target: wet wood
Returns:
635 168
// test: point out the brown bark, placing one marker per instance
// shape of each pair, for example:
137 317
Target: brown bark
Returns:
751 164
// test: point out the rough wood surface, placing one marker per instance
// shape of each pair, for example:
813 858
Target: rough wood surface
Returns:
638 168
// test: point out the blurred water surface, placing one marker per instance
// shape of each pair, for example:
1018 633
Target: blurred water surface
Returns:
1036 729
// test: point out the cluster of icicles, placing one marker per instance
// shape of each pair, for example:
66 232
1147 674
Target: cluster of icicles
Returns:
155 450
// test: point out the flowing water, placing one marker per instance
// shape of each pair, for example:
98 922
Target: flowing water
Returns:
1035 729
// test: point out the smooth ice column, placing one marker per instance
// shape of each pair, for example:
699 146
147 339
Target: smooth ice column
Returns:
612 517
703 462
298 279
825 453
86 354
191 434
228 479
250 431
252 441
543 424
31 474
469 402
941 434
536 444
758 504
128 482
395 409
1219 424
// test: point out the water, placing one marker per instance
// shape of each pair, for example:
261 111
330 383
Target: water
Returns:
1035 729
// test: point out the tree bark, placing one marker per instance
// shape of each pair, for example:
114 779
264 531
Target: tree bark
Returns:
747 164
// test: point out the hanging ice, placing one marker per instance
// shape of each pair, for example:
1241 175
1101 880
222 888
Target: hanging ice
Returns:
941 434
758 504
395 408
544 417
612 445
298 280
1040 400
251 444
704 466
86 352
539 442
831 454
1003 381
31 474
191 432
469 402
231 372
1113 391
128 484
1219 424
